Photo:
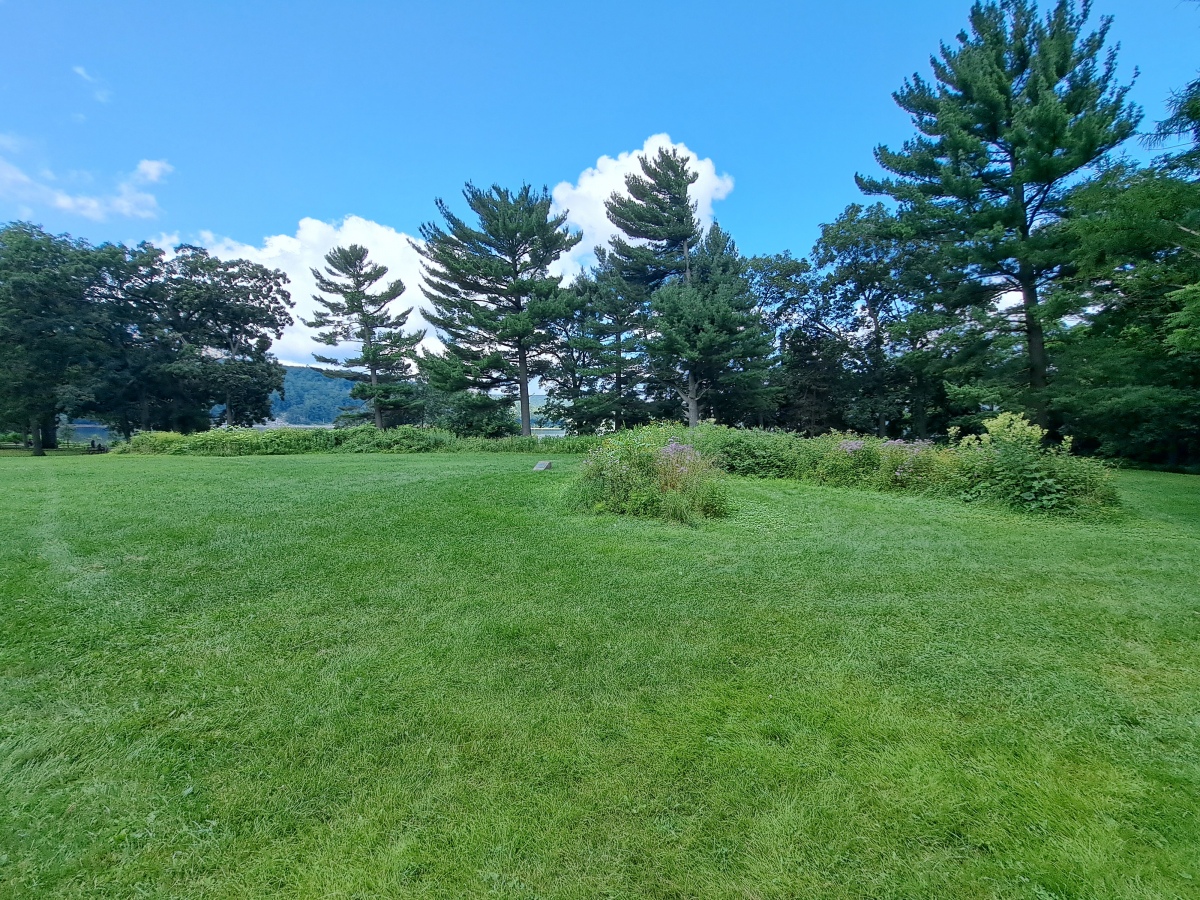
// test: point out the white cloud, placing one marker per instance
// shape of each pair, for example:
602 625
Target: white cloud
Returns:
585 198
152 171
99 90
10 143
129 199
297 254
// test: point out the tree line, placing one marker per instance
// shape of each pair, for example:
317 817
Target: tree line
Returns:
1010 257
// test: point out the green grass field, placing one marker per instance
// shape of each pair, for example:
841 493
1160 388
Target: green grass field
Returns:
420 676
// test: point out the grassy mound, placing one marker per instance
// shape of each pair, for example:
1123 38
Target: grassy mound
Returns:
641 473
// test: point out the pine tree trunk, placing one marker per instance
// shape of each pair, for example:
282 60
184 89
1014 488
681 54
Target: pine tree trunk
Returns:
523 374
375 399
1035 340
35 429
693 402
687 265
619 384
228 410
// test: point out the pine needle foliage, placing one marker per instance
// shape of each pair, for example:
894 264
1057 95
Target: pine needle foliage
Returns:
491 288
352 314
659 228
1020 108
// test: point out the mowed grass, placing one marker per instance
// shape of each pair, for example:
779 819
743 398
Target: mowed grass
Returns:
421 676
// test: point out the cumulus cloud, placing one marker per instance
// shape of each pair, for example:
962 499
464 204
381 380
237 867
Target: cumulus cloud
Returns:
297 254
584 199
130 199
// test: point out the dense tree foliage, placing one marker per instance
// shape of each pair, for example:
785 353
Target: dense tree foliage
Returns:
133 337
706 341
1017 110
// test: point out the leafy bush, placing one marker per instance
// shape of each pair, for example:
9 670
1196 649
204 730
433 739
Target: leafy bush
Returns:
11 437
402 439
1011 464
639 473
764 454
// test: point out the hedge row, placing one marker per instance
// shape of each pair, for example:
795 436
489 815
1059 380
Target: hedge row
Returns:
361 439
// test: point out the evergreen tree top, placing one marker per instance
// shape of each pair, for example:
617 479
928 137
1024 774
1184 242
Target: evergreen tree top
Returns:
657 213
1018 103
503 261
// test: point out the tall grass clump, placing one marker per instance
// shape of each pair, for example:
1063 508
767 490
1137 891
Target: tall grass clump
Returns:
641 473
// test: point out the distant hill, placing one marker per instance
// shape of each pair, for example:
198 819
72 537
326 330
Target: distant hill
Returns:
310 398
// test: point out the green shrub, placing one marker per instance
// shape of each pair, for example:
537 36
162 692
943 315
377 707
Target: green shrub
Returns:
764 454
640 473
402 439
917 467
1011 464
155 442
629 473
847 461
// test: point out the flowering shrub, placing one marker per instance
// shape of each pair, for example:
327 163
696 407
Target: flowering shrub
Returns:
1010 464
846 462
637 473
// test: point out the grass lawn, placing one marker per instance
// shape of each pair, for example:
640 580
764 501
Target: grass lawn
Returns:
418 676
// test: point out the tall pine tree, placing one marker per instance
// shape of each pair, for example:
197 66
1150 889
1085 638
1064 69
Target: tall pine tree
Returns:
659 228
490 285
351 314
599 369
1018 110
707 342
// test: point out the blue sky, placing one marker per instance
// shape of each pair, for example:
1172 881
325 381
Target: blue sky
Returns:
231 122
